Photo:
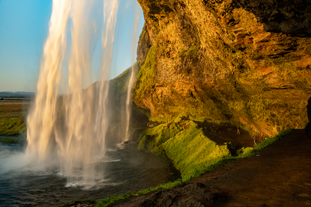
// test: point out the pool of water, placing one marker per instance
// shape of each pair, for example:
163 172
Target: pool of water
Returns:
127 170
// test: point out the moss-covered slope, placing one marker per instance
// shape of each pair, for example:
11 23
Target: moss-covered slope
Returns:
248 62
185 144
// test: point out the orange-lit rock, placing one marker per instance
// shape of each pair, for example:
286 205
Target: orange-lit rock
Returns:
248 62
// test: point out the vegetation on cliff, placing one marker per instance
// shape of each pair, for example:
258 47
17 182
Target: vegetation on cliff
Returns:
146 75
185 144
183 141
243 153
226 60
193 153
105 202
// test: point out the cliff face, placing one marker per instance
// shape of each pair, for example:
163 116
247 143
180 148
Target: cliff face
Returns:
227 59
244 61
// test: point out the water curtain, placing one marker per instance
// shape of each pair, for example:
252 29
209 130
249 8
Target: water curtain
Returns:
68 132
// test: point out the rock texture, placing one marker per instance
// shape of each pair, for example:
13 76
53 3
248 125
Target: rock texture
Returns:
193 194
244 61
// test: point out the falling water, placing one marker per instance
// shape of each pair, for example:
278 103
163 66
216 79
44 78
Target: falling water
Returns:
78 108
79 141
42 118
132 77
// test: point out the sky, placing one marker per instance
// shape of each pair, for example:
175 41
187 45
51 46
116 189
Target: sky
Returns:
24 26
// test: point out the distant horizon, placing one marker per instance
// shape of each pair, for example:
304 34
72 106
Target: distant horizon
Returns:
24 30
7 91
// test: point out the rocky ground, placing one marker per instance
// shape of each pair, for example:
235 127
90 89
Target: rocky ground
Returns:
278 176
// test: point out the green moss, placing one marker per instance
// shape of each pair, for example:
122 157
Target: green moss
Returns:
160 119
142 35
146 76
170 118
113 199
180 117
243 153
199 119
248 152
107 201
12 126
156 136
190 51
191 152
192 108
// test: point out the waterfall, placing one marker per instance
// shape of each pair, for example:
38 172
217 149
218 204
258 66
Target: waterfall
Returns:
132 77
42 117
72 139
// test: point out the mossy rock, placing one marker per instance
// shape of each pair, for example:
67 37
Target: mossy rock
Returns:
191 152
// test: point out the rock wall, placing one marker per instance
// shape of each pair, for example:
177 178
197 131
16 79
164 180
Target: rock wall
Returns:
244 61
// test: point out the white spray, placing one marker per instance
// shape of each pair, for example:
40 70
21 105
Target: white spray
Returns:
42 117
133 75
79 141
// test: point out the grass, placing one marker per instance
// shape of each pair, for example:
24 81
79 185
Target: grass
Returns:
244 153
113 199
12 126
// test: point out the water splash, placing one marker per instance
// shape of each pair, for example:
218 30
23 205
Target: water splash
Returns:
72 139
132 77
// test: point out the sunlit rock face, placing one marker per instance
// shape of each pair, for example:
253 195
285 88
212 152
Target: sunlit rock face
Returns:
244 61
